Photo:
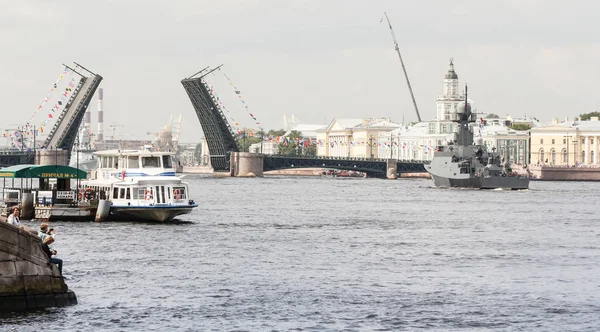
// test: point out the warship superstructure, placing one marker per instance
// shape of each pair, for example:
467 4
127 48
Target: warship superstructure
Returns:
467 163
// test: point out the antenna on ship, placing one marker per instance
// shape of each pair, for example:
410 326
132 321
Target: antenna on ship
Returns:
403 68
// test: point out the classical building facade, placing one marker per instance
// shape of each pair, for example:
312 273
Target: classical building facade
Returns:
569 143
353 138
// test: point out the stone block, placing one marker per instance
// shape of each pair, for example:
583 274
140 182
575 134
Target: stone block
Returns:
30 299
13 303
45 300
5 256
58 285
61 300
24 243
38 284
72 297
11 286
8 269
55 271
9 235
29 269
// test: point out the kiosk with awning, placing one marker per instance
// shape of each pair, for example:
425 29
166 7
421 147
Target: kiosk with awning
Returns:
43 173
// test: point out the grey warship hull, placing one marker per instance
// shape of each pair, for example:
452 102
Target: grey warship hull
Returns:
514 183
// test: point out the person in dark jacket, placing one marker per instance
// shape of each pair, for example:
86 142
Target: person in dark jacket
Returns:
48 240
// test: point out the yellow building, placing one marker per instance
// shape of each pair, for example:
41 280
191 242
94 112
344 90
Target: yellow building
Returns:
566 143
352 138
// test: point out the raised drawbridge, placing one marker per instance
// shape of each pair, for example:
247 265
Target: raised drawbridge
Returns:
64 132
219 135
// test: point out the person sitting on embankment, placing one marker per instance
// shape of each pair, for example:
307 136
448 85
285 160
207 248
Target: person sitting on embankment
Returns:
46 249
13 218
44 232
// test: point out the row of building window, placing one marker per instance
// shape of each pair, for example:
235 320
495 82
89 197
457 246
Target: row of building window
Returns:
565 157
565 141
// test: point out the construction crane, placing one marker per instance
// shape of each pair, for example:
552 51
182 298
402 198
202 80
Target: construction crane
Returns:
403 68
153 133
114 129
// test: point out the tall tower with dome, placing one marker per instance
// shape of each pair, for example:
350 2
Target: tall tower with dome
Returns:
446 103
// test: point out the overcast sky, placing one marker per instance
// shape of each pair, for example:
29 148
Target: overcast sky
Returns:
315 59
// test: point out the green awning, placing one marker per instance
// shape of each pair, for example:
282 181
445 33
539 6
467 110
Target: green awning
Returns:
42 171
16 171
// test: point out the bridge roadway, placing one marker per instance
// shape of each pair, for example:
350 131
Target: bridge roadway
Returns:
14 157
373 167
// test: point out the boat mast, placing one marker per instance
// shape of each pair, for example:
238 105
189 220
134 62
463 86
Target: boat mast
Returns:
403 68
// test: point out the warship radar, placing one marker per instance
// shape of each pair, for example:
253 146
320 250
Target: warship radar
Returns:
467 163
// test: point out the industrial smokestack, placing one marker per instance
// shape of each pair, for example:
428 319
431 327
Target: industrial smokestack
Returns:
100 136
87 119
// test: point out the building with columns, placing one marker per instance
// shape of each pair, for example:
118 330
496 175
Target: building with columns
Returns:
507 142
569 143
353 138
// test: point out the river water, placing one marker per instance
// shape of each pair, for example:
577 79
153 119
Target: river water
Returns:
332 254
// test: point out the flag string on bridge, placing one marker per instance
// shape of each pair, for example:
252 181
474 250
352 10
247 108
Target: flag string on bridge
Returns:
222 106
239 94
57 105
30 128
50 92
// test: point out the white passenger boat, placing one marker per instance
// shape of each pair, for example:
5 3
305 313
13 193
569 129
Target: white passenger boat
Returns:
140 184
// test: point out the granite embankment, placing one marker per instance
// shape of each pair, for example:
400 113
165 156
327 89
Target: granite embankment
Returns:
27 280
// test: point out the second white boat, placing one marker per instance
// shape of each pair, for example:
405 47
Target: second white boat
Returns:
140 184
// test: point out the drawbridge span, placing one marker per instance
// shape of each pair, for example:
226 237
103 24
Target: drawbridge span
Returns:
219 135
64 131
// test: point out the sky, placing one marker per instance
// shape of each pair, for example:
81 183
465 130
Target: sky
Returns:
316 59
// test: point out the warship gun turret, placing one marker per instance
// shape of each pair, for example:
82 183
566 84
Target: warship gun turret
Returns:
467 163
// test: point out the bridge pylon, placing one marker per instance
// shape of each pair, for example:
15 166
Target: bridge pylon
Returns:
246 164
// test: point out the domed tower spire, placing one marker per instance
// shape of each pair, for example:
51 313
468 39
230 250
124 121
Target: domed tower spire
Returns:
446 103
451 81
451 75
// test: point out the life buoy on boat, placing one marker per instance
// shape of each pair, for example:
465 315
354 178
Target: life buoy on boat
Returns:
176 194
148 195
89 193
123 175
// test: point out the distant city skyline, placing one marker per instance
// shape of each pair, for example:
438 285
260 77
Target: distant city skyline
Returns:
318 60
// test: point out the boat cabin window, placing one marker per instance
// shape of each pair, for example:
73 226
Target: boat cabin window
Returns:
138 192
167 162
122 192
149 162
104 162
133 161
179 193
128 194
115 194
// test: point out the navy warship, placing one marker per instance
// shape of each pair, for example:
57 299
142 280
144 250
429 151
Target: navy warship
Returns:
465 163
